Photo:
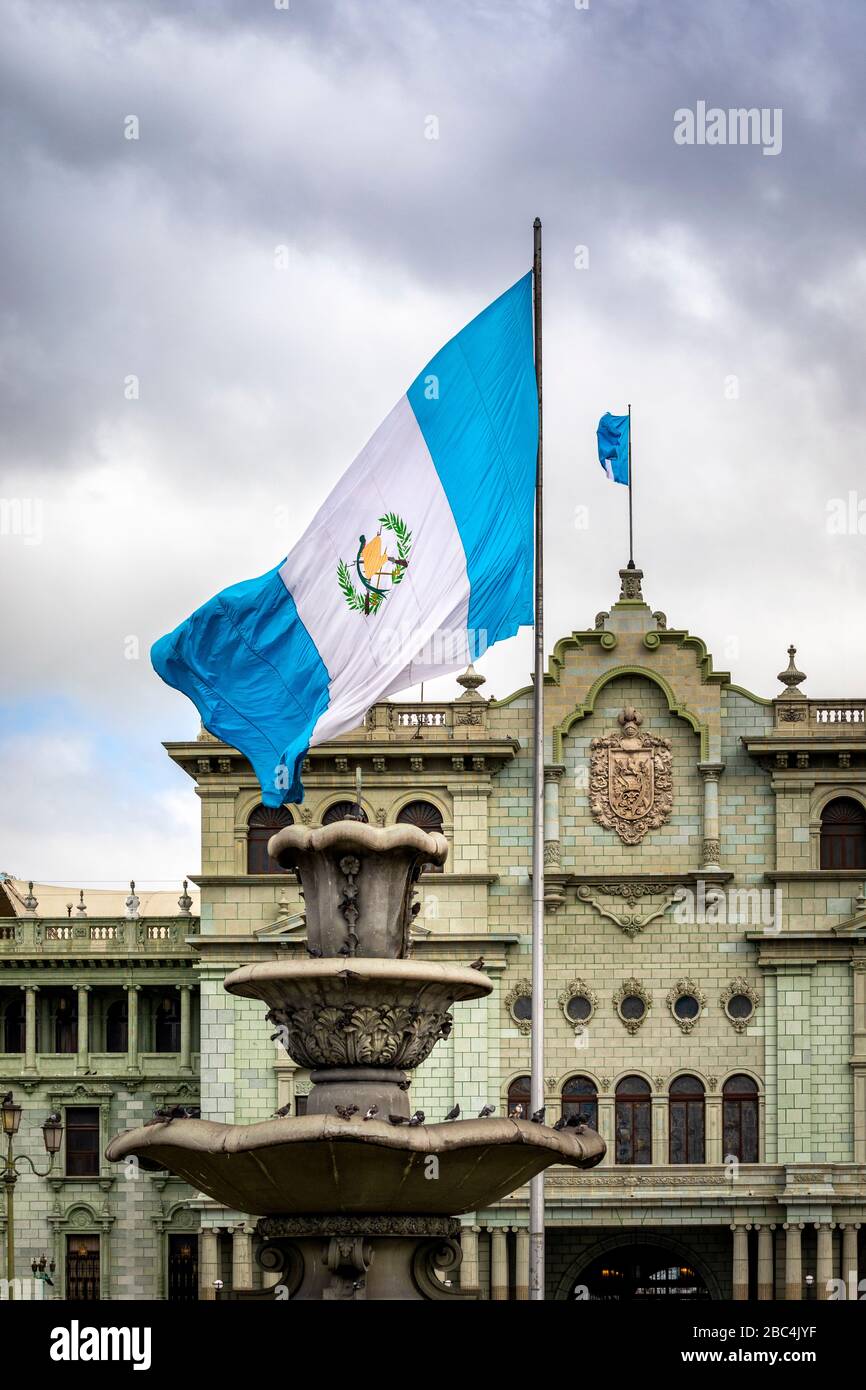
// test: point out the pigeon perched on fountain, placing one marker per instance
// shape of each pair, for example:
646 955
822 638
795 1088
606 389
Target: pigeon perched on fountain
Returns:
346 1112
283 1111
486 1111
418 1118
537 1116
371 1112
453 1113
477 964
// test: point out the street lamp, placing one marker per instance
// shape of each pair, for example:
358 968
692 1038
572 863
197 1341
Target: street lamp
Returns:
52 1134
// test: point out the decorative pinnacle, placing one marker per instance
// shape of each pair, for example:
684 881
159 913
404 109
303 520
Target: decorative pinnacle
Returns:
471 680
791 677
30 902
184 902
630 580
80 907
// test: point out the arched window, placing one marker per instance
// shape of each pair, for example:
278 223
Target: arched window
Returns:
116 1026
686 1120
579 1096
13 1022
519 1099
740 1119
427 817
166 1023
264 822
340 811
843 834
633 1121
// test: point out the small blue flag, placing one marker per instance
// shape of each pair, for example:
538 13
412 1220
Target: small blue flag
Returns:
613 446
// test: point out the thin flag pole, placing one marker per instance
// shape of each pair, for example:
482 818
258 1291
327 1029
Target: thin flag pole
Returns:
536 1186
630 527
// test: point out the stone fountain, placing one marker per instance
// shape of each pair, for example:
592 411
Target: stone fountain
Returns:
350 1207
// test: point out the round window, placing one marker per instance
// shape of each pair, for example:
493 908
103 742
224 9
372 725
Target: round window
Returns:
522 1007
632 1006
578 1008
686 1006
740 1006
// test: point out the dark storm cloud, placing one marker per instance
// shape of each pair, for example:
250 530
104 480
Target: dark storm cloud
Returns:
262 128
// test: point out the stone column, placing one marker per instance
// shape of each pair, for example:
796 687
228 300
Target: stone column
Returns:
740 1269
713 1119
858 1059
552 847
242 1257
132 992
606 1126
711 772
208 1261
765 1263
793 1262
521 1282
824 1264
850 1272
185 1029
469 1263
30 992
83 1029
499 1264
660 1135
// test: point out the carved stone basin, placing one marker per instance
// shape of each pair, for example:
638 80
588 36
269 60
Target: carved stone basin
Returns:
320 1163
357 882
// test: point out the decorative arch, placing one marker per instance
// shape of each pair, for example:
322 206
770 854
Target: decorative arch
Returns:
635 1071
709 1083
742 1071
588 707
590 1076
684 1254
407 796
821 799
507 1083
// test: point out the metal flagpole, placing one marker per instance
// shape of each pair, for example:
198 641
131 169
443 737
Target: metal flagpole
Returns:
630 530
536 1186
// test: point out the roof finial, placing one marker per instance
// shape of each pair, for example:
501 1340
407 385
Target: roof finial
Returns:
30 903
791 677
184 902
133 903
79 906
472 681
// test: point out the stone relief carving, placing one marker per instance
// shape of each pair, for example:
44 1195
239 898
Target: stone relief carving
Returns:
740 987
630 780
625 910
522 990
689 988
352 1035
630 990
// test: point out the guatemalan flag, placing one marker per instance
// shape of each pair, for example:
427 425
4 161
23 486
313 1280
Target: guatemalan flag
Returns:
612 435
420 558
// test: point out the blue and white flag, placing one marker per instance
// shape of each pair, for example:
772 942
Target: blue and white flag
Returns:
612 436
421 557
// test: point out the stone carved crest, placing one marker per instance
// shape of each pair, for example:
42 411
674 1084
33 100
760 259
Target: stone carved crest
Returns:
630 783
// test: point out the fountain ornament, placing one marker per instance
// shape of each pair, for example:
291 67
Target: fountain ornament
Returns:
355 1207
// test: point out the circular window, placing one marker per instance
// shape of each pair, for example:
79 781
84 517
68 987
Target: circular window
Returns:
522 1007
686 1006
578 1008
740 1006
632 1006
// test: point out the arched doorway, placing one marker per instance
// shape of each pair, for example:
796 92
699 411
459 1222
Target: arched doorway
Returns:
638 1266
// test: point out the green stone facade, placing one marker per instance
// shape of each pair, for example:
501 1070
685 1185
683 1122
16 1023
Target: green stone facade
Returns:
722 899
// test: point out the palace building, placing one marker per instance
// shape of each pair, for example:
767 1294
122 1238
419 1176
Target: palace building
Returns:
705 933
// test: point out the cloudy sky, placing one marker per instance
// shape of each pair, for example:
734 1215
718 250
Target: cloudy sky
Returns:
201 326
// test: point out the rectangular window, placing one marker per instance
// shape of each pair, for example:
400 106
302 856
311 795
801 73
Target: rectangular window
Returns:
82 1141
82 1267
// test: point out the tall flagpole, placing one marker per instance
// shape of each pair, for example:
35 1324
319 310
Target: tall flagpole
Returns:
630 529
536 1186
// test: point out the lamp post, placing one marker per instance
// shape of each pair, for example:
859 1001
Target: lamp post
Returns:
52 1134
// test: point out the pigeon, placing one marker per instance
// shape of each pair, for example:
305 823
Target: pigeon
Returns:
577 1120
54 1118
7 1099
486 1112
477 964
404 1085
161 1116
453 1113
283 1111
537 1116
371 1113
561 1122
346 1112
397 1119
315 952
418 1118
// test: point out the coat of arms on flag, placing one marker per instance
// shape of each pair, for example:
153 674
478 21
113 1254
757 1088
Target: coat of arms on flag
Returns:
377 570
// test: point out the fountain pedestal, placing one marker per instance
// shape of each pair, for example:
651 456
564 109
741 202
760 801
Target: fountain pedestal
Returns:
355 1201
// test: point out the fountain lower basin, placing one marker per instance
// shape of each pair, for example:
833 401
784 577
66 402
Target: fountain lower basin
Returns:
320 1163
